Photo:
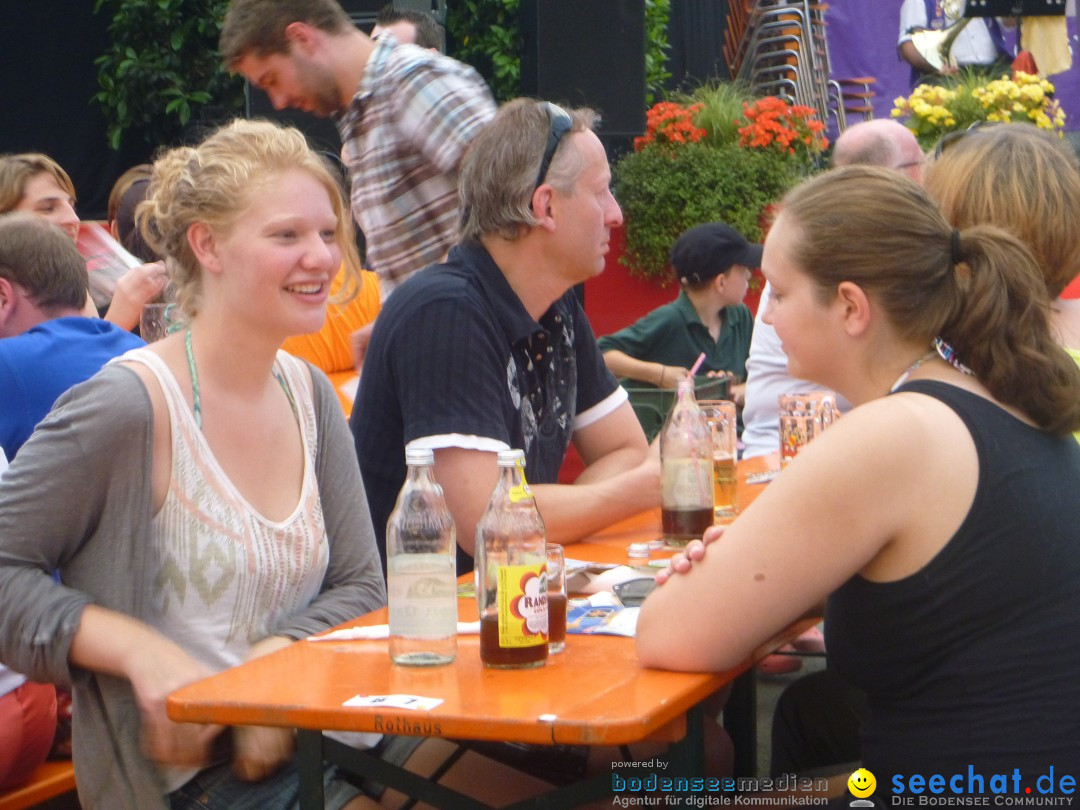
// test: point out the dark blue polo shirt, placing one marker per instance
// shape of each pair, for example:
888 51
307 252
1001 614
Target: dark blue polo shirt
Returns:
455 354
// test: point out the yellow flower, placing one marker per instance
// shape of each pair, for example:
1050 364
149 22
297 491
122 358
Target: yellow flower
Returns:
933 111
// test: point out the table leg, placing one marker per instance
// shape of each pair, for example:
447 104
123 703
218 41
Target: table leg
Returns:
309 762
740 721
687 756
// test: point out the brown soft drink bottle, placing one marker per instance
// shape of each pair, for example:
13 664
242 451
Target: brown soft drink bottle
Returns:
686 452
511 572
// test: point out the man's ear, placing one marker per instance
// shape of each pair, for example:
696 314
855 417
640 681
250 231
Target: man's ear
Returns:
303 36
542 206
853 306
204 244
8 303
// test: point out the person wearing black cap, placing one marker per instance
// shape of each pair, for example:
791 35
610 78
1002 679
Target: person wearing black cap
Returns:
712 263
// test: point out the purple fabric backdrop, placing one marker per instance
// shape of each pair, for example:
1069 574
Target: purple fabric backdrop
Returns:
862 38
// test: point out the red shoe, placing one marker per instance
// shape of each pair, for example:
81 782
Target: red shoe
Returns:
780 662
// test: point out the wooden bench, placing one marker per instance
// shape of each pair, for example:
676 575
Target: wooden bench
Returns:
50 780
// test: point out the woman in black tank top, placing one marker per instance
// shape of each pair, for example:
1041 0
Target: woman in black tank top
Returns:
938 521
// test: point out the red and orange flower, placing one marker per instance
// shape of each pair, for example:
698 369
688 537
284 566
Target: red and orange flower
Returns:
772 123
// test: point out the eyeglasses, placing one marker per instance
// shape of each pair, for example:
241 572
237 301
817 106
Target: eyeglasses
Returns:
949 139
559 123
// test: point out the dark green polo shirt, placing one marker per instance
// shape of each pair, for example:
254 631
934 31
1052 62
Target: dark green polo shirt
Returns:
674 336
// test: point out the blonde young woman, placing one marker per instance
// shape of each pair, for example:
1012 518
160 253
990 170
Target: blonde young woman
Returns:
222 515
939 517
38 184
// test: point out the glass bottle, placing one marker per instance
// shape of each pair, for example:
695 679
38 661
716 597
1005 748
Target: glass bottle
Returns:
511 572
421 569
686 459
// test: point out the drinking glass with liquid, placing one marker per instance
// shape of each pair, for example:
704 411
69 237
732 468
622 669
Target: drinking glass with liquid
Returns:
421 569
802 417
720 414
556 593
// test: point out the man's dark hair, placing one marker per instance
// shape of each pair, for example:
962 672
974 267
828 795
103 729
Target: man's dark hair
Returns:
258 26
42 260
429 34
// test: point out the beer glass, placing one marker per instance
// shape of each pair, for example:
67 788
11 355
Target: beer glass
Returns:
802 417
721 417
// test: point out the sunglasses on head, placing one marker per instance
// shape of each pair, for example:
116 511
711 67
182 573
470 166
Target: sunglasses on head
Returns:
949 139
559 123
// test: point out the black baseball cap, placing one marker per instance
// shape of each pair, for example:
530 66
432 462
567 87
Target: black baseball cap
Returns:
705 251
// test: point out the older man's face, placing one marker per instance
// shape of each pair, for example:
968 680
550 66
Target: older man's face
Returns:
585 216
912 161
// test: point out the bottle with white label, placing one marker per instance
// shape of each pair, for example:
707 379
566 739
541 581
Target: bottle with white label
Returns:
421 569
686 468
511 572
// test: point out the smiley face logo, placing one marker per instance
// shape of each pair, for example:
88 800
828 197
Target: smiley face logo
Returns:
862 783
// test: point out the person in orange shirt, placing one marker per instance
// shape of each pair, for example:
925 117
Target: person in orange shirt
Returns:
331 348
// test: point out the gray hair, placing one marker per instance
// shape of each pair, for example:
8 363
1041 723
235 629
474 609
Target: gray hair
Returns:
499 173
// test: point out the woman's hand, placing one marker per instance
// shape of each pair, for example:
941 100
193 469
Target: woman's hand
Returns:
360 340
136 287
155 672
685 559
260 751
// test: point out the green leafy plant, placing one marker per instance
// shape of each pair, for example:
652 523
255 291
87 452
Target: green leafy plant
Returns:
657 14
664 190
721 110
933 111
162 69
488 37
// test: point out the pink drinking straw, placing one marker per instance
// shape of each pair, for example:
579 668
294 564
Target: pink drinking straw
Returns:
697 364
693 453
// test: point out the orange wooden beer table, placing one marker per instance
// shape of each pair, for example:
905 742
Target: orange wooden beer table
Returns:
595 693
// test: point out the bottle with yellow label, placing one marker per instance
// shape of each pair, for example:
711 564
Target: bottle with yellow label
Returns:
511 572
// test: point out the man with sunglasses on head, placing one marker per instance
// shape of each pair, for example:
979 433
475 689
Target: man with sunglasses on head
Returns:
405 114
491 349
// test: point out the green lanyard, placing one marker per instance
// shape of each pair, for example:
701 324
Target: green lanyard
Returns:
196 397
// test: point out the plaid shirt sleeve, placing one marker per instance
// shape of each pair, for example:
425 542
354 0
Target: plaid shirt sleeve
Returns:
441 111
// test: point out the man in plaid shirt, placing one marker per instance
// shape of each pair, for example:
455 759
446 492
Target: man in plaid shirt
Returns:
405 114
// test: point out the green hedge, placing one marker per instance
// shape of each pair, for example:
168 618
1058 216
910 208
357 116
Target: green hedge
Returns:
664 191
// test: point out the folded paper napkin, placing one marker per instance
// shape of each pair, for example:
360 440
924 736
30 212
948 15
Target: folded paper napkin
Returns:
379 631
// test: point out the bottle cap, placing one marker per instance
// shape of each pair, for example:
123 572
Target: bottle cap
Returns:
638 551
510 458
419 456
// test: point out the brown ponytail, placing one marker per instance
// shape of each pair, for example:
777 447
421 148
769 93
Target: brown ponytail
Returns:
878 229
1002 330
